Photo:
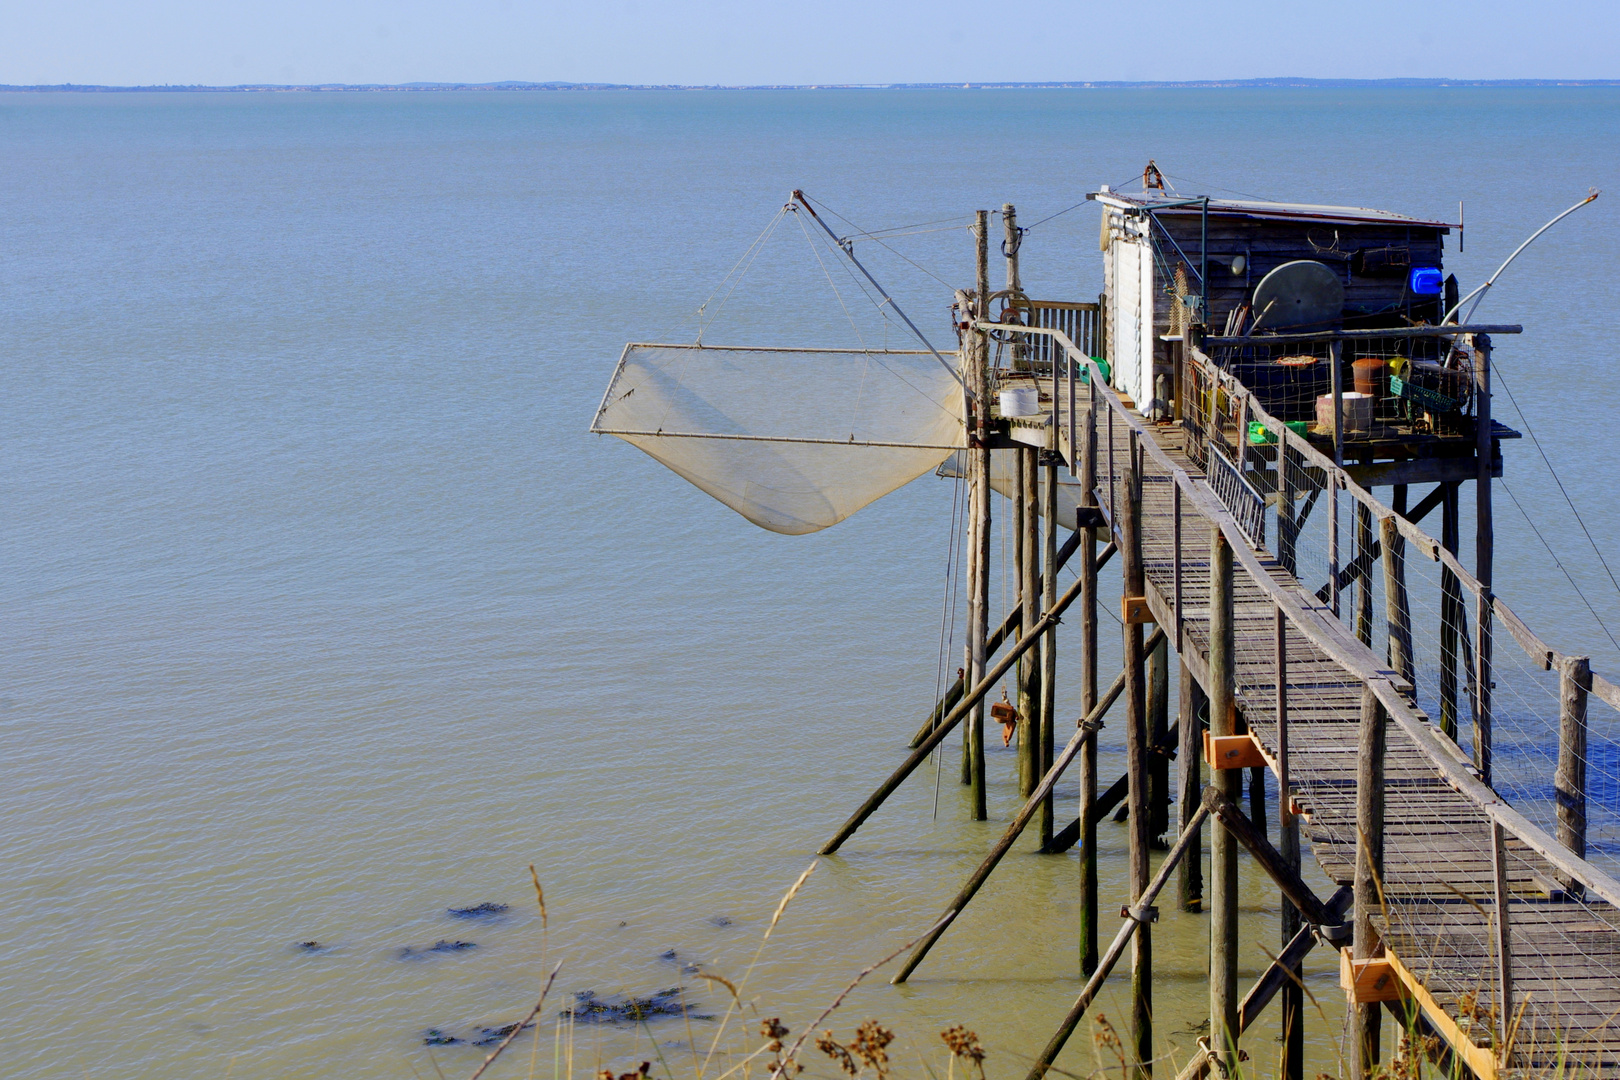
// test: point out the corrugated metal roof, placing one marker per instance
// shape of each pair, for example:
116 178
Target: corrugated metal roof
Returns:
1144 200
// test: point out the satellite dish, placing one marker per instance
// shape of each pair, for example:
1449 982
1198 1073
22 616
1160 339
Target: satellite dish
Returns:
1299 295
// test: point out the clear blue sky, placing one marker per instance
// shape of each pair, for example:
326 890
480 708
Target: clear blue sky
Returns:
124 42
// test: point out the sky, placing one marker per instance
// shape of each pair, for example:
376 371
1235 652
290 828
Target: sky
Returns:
221 42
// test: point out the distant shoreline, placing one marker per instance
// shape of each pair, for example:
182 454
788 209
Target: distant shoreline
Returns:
431 87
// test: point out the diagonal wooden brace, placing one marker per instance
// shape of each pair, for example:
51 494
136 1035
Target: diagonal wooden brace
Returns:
1255 843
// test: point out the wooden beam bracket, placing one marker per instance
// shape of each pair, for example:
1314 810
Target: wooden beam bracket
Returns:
1233 752
1367 981
1134 609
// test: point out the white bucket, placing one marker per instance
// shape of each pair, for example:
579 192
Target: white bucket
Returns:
1357 414
1020 401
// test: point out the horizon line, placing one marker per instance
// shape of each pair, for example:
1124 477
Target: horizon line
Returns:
1282 81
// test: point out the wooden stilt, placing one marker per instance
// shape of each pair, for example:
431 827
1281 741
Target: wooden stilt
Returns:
1084 734
1088 690
1484 552
1450 614
1029 586
971 700
1007 629
1364 1020
1158 722
979 604
1223 926
1136 755
1189 766
1049 643
1136 917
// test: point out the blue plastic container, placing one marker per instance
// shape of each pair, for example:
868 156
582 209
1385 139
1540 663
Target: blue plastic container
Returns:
1425 281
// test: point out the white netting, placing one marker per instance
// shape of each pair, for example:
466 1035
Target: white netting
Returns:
794 440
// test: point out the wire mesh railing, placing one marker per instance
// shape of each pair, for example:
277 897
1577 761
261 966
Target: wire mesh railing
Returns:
1500 746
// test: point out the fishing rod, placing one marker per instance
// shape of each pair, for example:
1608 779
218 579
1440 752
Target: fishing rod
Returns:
1481 291
800 199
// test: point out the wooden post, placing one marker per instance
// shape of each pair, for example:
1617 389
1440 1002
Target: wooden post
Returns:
979 600
1333 542
1088 691
1484 551
1049 643
1293 994
1504 938
1158 722
1364 593
1365 1019
1190 782
1136 755
1569 782
1223 925
1287 530
1023 515
1450 614
1336 381
1485 452
1136 918
1397 613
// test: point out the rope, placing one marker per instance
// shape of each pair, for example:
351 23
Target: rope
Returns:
1525 420
749 256
876 239
1556 562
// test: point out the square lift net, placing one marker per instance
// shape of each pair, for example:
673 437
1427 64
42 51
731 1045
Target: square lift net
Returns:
794 440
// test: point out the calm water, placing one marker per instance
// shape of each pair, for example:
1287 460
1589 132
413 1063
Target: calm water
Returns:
322 614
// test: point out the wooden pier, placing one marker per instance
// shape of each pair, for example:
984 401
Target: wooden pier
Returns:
1469 922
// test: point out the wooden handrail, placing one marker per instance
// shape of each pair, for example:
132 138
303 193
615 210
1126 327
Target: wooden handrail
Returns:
1328 634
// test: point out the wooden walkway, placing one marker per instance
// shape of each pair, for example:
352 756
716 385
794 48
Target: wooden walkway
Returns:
1439 880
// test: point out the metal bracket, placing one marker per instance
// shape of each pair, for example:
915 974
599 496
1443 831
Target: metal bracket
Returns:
1051 458
1143 915
1337 934
1089 517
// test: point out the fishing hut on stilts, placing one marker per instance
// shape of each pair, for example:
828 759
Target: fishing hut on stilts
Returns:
1237 424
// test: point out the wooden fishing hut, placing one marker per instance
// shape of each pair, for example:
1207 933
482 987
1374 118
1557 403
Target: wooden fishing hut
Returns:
1216 425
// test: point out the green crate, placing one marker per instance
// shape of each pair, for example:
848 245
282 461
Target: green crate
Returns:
1260 435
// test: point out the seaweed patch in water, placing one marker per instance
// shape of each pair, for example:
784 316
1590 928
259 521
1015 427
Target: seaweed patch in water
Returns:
435 1037
489 1036
310 946
588 1008
485 910
721 921
440 946
688 967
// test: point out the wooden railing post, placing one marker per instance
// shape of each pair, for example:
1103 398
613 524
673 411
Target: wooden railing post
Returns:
1397 612
1363 556
1287 530
1451 614
1134 583
1088 687
1569 782
1223 925
1504 940
1365 1018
